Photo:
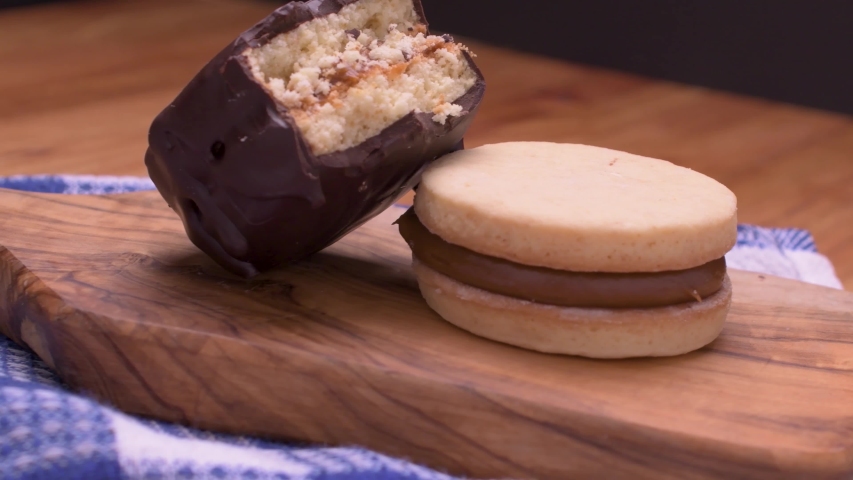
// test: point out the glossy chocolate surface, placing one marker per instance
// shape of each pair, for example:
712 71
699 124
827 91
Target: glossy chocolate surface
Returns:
230 160
558 287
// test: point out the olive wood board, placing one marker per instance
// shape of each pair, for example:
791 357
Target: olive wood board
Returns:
341 349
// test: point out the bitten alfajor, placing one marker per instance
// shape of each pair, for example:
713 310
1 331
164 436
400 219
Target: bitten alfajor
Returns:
307 125
574 249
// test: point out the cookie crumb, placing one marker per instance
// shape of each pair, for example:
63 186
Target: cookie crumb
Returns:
445 110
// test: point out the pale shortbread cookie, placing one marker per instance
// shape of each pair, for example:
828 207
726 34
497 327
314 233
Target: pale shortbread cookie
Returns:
577 208
588 332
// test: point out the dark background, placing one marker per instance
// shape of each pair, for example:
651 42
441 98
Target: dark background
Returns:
798 51
18 3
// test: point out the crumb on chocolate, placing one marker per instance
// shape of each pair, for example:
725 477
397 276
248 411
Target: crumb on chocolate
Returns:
445 110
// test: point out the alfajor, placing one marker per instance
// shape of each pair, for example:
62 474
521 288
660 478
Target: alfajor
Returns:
574 249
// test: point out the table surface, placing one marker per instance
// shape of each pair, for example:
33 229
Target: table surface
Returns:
81 82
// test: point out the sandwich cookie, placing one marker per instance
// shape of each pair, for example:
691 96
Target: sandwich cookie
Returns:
574 249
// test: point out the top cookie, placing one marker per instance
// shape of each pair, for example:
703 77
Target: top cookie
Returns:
577 207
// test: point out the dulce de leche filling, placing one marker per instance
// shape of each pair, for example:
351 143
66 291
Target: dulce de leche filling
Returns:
559 287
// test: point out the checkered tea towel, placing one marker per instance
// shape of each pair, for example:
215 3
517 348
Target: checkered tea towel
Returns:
47 432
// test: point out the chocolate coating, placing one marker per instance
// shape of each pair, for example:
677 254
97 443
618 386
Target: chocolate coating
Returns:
558 287
231 161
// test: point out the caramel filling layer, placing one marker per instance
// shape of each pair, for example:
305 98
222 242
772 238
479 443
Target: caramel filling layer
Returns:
558 287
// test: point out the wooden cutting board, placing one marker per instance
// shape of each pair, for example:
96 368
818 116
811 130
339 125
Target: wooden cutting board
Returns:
342 349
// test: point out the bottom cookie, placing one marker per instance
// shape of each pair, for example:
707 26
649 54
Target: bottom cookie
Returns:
588 332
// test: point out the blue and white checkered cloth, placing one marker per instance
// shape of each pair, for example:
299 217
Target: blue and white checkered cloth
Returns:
47 432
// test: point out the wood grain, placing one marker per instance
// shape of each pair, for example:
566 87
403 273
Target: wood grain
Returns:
82 101
342 349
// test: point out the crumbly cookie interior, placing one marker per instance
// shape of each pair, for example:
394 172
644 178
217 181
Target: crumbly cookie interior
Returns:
347 76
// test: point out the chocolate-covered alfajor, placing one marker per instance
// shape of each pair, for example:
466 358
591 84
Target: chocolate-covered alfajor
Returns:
574 249
309 124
